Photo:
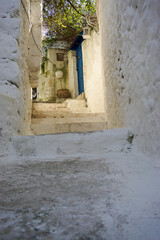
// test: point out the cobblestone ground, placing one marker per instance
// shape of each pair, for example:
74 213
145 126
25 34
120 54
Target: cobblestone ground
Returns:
75 199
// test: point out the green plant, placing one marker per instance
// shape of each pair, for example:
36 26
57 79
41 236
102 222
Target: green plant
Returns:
64 19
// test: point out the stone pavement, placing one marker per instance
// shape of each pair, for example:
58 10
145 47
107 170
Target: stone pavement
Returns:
99 195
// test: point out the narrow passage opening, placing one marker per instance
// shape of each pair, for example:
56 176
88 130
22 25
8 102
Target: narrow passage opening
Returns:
69 96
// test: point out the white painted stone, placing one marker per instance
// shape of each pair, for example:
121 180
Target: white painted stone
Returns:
36 14
10 96
130 46
72 71
9 106
130 33
74 103
67 187
92 71
15 89
10 26
10 72
69 143
8 46
35 38
59 74
9 6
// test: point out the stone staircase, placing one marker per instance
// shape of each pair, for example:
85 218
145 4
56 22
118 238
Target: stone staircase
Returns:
71 116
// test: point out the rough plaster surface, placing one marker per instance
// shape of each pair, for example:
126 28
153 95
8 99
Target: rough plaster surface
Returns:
25 86
48 82
67 187
131 45
130 54
10 96
72 72
15 103
92 71
35 49
68 144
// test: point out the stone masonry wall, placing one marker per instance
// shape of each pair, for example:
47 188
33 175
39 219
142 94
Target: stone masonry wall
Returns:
131 61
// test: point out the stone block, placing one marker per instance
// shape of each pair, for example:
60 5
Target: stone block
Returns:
8 47
10 72
9 26
75 104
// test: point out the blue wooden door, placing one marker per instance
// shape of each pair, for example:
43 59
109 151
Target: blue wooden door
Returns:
80 69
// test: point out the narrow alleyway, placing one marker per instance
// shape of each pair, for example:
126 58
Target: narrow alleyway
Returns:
63 175
87 186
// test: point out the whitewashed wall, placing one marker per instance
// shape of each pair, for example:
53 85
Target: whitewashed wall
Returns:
92 71
15 104
10 94
131 60
35 48
72 71
25 86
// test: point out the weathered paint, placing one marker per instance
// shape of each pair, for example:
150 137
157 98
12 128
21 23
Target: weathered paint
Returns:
80 69
76 45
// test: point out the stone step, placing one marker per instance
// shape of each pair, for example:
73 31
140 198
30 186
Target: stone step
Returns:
68 106
60 120
65 144
60 113
75 103
44 105
64 125
45 110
